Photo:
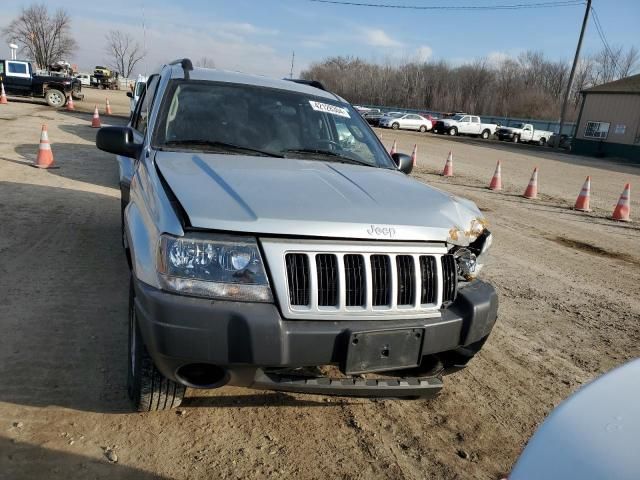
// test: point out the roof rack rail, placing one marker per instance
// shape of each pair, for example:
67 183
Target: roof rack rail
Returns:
186 65
311 83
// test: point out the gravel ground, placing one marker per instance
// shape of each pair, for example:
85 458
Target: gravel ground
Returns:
569 286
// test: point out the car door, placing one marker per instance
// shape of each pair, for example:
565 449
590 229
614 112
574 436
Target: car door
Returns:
18 78
527 133
476 126
463 124
414 122
404 121
138 124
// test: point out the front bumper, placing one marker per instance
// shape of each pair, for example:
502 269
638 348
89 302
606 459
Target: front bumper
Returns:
505 135
250 340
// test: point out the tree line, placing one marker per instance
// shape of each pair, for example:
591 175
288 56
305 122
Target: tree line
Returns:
45 38
528 86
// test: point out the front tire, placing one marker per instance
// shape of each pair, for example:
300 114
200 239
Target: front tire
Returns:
148 389
55 98
485 134
453 131
542 142
516 138
395 126
423 129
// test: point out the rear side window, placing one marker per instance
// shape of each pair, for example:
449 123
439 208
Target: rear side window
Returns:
19 68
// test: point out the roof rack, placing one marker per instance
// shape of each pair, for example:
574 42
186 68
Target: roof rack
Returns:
186 65
311 83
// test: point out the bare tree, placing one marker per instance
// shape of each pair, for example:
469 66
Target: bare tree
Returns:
124 52
206 62
45 37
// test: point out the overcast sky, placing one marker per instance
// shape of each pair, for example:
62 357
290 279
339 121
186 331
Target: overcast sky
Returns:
259 36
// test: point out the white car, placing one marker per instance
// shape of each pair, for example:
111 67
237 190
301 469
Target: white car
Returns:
463 124
407 121
524 132
138 88
85 79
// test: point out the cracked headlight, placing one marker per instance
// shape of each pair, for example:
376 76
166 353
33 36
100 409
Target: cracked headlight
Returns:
223 267
471 259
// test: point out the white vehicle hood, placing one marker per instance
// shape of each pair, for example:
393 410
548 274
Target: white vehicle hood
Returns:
283 196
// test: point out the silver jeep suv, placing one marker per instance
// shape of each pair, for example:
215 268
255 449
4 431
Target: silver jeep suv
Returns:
275 244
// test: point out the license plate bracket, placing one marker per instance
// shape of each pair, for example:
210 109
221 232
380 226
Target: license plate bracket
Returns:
383 350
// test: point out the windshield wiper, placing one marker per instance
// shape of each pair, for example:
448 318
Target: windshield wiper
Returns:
220 145
328 153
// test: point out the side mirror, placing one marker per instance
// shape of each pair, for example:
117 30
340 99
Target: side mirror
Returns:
403 162
118 140
130 94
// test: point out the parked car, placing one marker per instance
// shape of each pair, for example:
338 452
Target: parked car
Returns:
564 140
85 79
134 95
463 124
407 121
593 435
524 132
19 79
262 248
373 118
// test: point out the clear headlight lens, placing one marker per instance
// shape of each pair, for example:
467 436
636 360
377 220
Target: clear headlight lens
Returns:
224 267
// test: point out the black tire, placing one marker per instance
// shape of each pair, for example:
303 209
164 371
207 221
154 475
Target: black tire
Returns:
542 142
148 389
516 138
485 134
395 126
423 128
453 131
55 98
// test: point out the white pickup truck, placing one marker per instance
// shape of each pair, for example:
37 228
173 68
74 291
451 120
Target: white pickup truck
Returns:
524 132
463 124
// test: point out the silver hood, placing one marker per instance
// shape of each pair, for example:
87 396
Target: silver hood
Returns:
279 196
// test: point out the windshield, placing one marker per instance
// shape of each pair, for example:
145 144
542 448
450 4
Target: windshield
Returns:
244 119
394 114
518 125
457 117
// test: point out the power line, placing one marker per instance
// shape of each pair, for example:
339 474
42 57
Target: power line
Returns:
516 6
607 47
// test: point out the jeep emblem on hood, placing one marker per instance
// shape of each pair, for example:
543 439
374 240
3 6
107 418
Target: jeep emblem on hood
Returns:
381 231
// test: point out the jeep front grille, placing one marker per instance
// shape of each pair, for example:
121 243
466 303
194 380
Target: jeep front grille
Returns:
340 280
449 278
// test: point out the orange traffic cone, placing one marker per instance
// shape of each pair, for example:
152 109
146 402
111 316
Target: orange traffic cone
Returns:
414 155
393 148
623 209
532 188
108 108
45 155
70 105
3 96
95 121
496 181
582 203
448 166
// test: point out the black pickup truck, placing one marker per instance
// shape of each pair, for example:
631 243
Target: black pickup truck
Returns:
19 79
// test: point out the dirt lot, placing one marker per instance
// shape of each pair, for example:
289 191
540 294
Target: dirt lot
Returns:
569 285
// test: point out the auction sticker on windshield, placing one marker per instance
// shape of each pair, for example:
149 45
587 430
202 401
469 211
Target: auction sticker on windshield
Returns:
327 108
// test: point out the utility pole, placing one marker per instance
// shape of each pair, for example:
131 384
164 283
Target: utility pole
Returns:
293 57
573 71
